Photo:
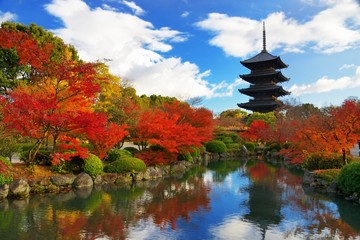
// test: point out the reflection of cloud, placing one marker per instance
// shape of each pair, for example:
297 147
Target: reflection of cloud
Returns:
148 230
236 228
334 29
326 84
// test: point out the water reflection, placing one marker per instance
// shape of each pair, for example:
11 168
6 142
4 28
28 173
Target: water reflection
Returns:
224 201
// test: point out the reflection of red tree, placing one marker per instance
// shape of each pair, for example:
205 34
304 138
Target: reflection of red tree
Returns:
70 224
260 172
106 222
177 201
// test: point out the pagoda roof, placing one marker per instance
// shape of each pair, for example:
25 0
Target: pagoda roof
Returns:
262 106
264 58
254 90
276 76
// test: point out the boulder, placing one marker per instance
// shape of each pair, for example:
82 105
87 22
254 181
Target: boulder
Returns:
152 173
178 168
63 180
309 177
4 191
98 180
83 180
109 178
124 178
19 188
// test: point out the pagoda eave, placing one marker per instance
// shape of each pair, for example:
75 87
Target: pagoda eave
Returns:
275 76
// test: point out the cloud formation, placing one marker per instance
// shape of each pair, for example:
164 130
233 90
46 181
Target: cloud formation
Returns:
326 84
7 16
334 29
134 47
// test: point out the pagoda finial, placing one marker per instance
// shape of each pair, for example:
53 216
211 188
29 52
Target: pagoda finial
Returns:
264 38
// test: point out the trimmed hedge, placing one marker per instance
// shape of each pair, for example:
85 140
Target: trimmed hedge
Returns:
329 175
215 146
317 161
348 179
126 165
118 154
93 165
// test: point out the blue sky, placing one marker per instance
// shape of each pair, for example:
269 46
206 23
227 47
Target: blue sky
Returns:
192 48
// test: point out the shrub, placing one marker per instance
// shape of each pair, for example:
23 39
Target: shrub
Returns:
202 149
348 179
318 161
233 147
5 171
215 146
274 147
42 157
329 175
195 152
129 164
133 150
250 146
186 157
93 165
118 154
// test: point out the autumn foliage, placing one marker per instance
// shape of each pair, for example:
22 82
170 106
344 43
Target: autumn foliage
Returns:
57 101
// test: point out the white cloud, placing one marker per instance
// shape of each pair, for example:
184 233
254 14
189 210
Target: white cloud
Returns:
7 16
107 7
347 66
334 29
135 8
326 84
185 14
134 47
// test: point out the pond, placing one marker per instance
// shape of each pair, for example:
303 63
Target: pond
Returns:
225 200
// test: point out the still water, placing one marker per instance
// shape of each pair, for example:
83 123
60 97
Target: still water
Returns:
225 200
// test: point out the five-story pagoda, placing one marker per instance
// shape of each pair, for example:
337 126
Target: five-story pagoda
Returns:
263 79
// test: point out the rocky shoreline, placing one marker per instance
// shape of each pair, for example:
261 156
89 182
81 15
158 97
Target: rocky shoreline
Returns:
24 188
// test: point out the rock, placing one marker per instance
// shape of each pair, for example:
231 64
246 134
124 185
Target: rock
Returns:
139 176
109 178
63 180
83 180
309 177
19 189
178 168
4 191
98 180
332 187
124 178
152 173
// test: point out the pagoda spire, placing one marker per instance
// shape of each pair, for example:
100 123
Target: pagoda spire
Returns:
264 38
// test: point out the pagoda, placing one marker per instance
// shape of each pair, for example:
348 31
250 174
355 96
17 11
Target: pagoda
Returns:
263 79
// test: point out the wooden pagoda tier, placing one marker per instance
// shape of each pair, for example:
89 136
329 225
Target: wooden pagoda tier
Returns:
263 78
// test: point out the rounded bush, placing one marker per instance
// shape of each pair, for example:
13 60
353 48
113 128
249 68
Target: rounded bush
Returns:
118 154
93 165
5 171
126 165
133 150
215 146
233 147
250 146
348 179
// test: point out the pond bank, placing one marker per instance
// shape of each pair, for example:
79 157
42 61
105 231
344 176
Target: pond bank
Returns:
22 188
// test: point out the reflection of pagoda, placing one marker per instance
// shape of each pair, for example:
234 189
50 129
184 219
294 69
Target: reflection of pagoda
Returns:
263 81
